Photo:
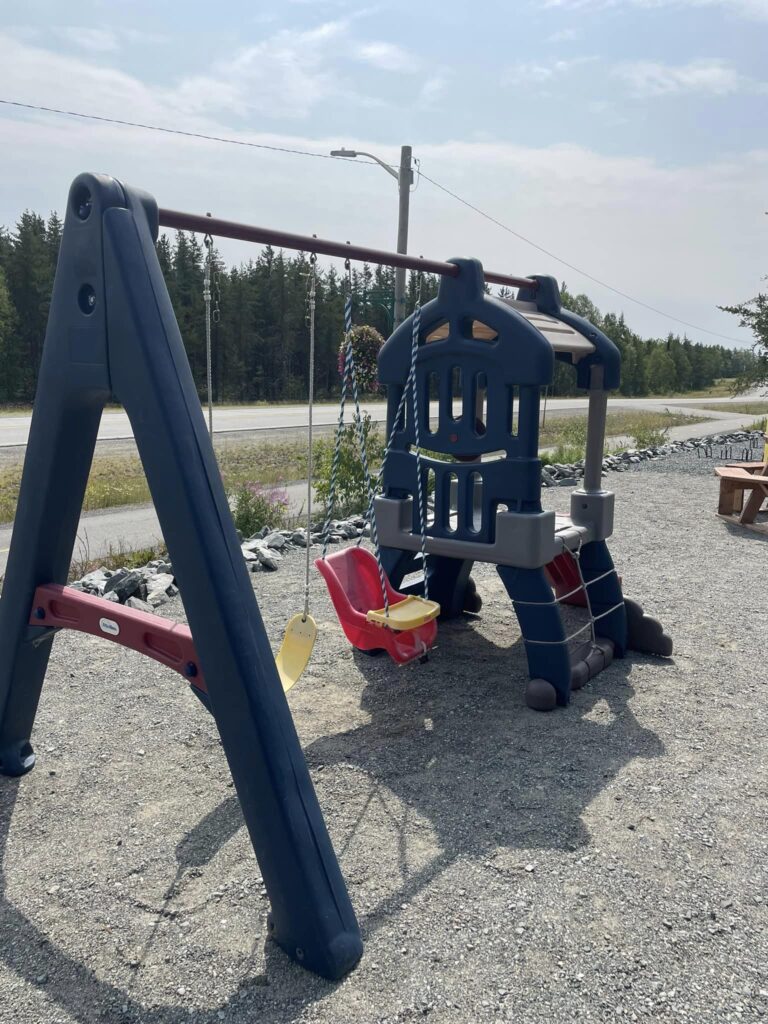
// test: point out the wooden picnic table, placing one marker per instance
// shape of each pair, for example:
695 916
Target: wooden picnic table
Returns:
735 479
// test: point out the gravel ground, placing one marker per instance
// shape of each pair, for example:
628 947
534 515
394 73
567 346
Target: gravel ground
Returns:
606 862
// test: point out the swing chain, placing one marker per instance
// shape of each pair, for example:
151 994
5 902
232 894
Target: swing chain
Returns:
312 304
349 380
416 331
208 243
409 388
216 315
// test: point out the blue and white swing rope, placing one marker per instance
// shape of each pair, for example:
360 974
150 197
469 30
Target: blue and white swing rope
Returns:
415 332
350 378
397 425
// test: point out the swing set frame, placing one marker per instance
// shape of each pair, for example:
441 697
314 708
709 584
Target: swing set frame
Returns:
112 335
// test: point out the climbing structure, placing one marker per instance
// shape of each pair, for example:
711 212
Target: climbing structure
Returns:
485 361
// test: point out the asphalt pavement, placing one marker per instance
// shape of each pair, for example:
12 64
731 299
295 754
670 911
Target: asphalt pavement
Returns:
115 425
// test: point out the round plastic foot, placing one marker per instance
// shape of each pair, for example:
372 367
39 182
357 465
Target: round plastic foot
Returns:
579 675
541 695
373 652
644 633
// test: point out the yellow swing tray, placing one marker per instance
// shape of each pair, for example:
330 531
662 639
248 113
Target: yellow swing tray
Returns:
408 614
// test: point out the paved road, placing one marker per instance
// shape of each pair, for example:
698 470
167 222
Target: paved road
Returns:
137 526
115 426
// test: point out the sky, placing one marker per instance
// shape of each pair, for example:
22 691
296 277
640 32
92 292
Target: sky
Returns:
622 136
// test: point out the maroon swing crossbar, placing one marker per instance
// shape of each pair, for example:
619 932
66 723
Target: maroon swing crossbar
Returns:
170 643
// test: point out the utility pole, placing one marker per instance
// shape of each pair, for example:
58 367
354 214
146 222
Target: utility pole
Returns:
404 178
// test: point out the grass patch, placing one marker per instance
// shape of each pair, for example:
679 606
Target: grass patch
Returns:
571 431
117 557
721 388
748 408
119 479
563 454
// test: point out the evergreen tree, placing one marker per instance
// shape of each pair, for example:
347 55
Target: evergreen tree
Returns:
29 273
662 379
261 340
9 367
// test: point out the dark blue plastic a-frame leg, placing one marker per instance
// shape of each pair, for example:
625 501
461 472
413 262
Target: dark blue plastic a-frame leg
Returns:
112 331
605 596
542 627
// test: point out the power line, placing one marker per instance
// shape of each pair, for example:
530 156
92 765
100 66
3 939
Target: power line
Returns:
171 131
326 156
572 266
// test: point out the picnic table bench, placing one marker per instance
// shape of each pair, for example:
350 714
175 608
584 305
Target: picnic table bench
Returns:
735 479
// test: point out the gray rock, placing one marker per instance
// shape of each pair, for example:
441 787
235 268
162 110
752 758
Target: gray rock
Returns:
96 580
124 583
112 596
299 537
269 558
138 604
275 540
157 588
252 544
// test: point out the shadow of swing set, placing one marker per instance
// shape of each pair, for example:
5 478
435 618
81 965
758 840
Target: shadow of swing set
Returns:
112 335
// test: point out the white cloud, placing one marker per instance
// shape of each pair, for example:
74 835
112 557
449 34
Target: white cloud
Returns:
388 57
710 77
657 231
752 9
432 91
541 72
286 75
564 35
98 40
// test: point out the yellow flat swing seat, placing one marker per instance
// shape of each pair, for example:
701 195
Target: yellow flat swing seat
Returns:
296 649
408 614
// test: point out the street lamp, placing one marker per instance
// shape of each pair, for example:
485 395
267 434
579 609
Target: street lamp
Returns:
404 179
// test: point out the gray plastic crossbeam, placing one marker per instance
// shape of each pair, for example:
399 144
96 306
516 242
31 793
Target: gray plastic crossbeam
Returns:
526 540
112 333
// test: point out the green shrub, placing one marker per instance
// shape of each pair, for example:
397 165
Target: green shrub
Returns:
255 506
564 454
650 437
351 493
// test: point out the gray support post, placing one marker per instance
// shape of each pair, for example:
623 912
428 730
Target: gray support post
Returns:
598 408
